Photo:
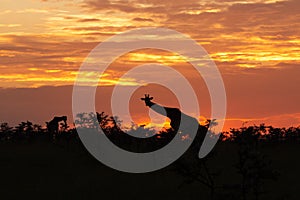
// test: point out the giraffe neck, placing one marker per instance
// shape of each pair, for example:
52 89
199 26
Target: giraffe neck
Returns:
150 103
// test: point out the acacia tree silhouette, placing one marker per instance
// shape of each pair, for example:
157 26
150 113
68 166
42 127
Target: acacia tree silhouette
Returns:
6 132
252 165
24 130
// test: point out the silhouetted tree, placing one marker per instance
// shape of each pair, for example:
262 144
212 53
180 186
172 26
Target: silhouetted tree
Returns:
24 130
253 166
5 131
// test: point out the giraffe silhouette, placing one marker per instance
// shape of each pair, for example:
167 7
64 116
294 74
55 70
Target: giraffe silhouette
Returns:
53 125
180 122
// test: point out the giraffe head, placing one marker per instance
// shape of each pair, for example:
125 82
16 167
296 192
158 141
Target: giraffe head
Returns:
147 100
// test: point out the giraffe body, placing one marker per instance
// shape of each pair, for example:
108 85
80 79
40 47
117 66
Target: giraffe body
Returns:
180 122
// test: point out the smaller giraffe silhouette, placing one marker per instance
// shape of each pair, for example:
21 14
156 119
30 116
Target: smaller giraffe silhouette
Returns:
53 125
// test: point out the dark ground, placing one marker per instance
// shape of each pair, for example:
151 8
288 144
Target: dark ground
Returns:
43 170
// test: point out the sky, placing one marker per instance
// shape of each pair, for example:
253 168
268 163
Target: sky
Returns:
254 43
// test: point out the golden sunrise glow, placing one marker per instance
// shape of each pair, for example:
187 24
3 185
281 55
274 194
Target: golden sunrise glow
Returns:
255 44
167 59
157 126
